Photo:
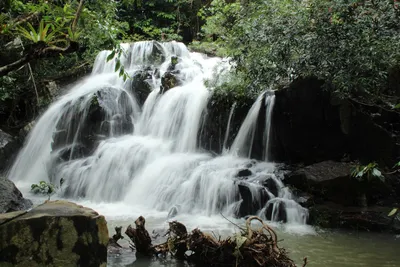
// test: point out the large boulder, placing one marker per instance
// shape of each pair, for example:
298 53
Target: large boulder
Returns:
328 180
306 127
217 114
330 215
11 198
9 145
56 233
254 197
140 84
80 130
310 124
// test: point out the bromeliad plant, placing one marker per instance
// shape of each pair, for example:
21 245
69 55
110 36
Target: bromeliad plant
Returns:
45 33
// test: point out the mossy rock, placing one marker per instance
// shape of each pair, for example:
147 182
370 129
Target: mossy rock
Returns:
57 233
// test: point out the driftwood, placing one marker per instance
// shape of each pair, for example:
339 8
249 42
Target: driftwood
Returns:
113 241
247 248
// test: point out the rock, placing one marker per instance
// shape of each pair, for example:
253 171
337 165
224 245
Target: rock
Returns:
276 211
140 85
330 215
168 81
213 131
11 198
271 185
81 130
305 126
310 124
9 146
254 198
244 173
328 180
373 133
157 56
26 129
56 233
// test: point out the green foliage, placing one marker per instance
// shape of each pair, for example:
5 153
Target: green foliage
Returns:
367 172
43 188
394 212
41 35
351 44
6 87
207 47
116 54
160 19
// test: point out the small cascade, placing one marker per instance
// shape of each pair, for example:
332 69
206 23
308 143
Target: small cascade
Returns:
243 142
135 141
228 127
269 103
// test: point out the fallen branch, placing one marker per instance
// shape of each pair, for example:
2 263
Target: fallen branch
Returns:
248 248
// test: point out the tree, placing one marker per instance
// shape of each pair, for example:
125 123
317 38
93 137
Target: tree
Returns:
43 38
352 45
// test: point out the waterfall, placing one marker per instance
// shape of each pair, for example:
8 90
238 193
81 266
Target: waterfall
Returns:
228 127
244 140
135 141
269 103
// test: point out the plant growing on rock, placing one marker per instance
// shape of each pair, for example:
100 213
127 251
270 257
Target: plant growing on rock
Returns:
364 175
45 188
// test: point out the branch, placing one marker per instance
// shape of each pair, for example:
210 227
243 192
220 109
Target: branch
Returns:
77 15
40 50
4 70
23 20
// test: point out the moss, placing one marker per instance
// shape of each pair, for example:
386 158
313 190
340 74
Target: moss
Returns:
48 236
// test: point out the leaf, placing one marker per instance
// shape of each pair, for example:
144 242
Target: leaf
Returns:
240 240
376 172
393 212
118 65
397 106
111 56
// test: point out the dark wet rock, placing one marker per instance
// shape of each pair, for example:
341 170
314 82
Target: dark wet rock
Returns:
168 81
140 85
306 127
276 211
328 180
81 130
375 219
310 124
57 233
11 198
304 199
272 186
173 63
244 173
9 146
251 203
214 127
157 55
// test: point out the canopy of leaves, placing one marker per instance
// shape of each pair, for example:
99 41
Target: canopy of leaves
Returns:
352 44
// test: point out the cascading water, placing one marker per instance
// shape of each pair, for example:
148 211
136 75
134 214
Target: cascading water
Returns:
108 147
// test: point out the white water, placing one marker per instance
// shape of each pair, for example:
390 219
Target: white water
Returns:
269 103
155 165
